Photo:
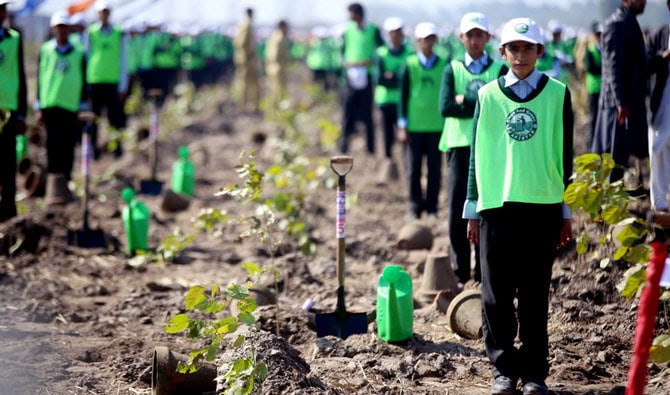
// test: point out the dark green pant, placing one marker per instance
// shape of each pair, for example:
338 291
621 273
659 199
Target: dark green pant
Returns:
8 170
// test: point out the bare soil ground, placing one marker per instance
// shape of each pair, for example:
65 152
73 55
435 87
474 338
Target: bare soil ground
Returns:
74 321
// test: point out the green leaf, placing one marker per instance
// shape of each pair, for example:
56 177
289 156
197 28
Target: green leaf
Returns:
177 323
634 279
582 243
659 354
628 236
252 268
194 297
247 305
247 319
238 292
638 254
573 194
665 295
593 200
620 253
586 162
606 166
239 341
226 325
614 214
215 290
261 371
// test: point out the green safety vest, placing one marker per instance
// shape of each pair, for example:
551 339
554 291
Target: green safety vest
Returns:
519 147
423 112
167 52
593 81
147 45
457 132
9 70
318 56
392 63
60 77
359 44
104 58
191 57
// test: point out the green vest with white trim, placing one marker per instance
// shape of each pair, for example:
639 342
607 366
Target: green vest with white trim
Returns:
457 132
519 147
104 57
360 44
423 112
60 77
9 71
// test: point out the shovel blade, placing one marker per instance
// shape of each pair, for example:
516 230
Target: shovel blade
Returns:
151 187
86 238
342 326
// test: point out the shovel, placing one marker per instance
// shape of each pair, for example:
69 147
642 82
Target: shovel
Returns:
153 186
86 237
340 323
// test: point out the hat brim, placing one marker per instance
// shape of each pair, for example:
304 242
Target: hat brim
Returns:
520 37
472 26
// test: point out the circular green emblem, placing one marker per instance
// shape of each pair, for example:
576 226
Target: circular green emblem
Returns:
62 66
521 124
521 28
473 86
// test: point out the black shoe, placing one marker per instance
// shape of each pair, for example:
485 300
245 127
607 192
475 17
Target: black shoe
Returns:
535 387
503 385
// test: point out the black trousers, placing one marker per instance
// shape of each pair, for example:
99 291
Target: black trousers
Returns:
593 115
357 104
458 162
106 96
389 120
61 126
8 169
518 246
420 145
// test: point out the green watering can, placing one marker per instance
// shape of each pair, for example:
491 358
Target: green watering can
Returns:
21 147
395 305
183 174
135 222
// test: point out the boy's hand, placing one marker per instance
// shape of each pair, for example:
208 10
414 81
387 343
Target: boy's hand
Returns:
402 136
566 233
473 230
459 99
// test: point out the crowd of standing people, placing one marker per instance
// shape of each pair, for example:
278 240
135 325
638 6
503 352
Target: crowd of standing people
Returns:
501 113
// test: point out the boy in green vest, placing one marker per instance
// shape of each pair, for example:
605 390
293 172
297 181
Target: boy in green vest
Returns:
593 65
361 40
520 165
107 73
420 122
13 106
461 80
390 60
61 90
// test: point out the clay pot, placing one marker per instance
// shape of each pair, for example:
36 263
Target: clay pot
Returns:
57 191
465 314
34 181
437 276
174 202
415 236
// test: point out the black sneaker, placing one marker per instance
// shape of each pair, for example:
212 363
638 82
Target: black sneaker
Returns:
503 385
535 387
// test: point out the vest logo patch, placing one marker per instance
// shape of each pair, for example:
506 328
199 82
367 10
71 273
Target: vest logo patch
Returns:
2 57
473 86
521 124
62 66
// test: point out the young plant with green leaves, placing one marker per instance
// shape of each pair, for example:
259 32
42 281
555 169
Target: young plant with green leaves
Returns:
206 319
607 205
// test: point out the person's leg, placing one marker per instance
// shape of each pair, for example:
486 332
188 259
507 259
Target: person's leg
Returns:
499 239
70 123
434 165
53 121
116 115
389 119
8 169
349 101
98 101
620 151
534 280
413 169
458 160
367 99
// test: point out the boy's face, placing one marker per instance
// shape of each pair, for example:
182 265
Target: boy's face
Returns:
474 41
61 32
521 56
426 44
397 37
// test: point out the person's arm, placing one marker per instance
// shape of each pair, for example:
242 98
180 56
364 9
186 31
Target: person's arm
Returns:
385 77
22 108
614 51
84 86
404 98
379 40
568 129
123 80
472 192
657 55
448 105
590 64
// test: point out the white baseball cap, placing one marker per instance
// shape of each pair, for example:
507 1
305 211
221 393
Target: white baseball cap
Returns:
474 20
59 18
521 29
554 26
3 2
425 29
393 23
78 19
102 5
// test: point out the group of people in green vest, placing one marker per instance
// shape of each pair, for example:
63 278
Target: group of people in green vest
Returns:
507 130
